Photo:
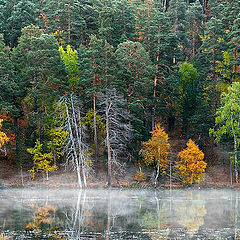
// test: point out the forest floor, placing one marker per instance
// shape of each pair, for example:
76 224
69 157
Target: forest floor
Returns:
215 176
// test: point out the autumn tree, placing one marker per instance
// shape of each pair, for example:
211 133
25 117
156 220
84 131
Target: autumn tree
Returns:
191 164
41 161
3 138
155 151
70 59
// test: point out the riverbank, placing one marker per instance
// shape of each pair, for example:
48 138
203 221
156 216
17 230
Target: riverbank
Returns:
215 176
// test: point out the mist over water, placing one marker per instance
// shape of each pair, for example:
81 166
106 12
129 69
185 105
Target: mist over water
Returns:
119 214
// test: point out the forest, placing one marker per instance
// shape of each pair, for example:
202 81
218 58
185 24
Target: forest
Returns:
103 85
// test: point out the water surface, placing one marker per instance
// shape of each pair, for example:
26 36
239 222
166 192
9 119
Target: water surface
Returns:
119 214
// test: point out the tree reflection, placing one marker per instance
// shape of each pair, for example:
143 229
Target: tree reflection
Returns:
190 213
2 237
45 221
155 220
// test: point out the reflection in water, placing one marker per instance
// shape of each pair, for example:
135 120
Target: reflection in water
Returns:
190 213
115 214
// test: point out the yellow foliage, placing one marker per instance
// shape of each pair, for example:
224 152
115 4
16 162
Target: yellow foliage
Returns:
190 213
191 165
3 137
42 161
155 150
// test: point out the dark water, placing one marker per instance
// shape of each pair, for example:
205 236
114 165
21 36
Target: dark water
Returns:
116 214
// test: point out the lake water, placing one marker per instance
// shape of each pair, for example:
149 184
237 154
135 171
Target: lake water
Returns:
119 214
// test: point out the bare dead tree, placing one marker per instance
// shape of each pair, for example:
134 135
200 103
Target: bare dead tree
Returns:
118 131
75 148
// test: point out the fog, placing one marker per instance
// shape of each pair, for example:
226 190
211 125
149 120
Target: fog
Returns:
119 214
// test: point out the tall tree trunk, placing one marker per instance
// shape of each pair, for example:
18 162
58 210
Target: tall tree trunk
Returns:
79 140
235 159
76 162
108 147
69 22
155 83
42 115
95 132
235 148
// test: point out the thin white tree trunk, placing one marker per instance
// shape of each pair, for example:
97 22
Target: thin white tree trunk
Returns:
74 149
157 175
235 149
95 132
22 176
108 146
81 158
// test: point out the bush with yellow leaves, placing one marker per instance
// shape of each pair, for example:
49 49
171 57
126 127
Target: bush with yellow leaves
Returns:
155 151
3 137
191 165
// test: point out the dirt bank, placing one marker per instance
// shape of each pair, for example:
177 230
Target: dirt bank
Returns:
215 176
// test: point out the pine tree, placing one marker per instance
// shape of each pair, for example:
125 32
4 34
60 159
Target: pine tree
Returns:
15 16
9 89
97 65
116 21
135 84
178 15
38 61
195 29
71 21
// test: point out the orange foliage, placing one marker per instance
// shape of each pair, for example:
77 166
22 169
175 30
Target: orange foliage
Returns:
42 216
155 150
140 176
191 165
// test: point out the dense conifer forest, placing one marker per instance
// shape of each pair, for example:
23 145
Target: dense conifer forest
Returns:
110 84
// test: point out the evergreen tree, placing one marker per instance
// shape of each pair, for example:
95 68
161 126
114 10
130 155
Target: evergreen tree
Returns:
235 47
71 21
97 65
195 17
134 82
178 15
14 16
116 21
38 61
9 89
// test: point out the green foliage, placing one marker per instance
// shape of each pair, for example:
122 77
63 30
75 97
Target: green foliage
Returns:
227 116
227 120
9 87
188 77
87 120
170 60
39 64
